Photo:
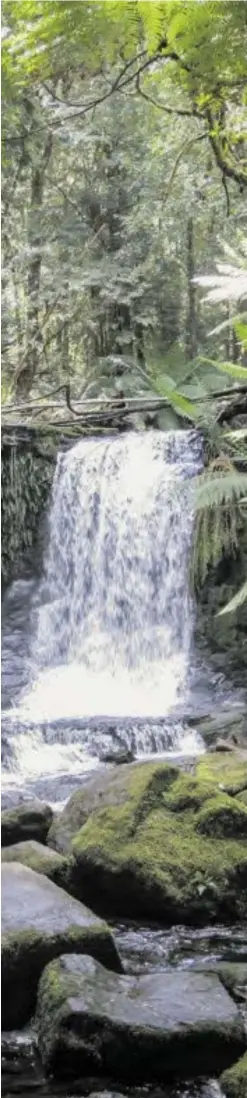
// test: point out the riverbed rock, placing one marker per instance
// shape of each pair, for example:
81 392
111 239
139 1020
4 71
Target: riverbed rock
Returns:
40 858
40 921
27 821
91 1021
165 845
233 976
234 1080
103 790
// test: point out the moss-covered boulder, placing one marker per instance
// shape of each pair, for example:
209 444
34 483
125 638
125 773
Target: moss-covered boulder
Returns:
27 821
106 789
227 772
40 921
143 850
222 816
40 858
234 1080
90 1021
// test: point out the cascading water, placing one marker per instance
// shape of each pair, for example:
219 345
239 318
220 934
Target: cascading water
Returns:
113 620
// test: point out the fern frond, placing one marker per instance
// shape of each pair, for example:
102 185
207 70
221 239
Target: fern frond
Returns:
235 602
214 489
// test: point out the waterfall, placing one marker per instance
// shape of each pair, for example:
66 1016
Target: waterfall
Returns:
113 627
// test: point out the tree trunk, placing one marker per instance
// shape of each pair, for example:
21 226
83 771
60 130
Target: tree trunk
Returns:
27 371
191 316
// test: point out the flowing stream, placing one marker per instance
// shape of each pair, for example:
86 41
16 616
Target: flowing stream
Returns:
100 655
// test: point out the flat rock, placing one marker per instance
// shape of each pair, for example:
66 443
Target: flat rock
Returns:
125 1027
27 821
40 921
40 858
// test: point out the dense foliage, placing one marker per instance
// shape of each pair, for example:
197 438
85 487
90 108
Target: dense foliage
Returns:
124 185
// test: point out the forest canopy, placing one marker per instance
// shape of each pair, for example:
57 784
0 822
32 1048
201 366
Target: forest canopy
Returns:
124 178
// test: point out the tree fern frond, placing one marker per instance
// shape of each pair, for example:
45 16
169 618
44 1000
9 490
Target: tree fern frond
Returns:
230 368
235 602
214 489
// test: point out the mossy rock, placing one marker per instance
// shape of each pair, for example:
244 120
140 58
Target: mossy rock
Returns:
242 796
222 816
227 771
146 856
186 792
145 1027
234 1080
40 921
27 821
108 789
40 858
234 978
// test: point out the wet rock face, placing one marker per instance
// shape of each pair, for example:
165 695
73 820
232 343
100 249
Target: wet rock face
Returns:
40 921
16 613
126 1027
27 821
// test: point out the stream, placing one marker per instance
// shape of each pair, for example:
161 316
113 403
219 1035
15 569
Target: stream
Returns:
100 655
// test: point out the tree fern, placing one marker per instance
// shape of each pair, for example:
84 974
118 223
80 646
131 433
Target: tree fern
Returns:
236 602
215 489
217 499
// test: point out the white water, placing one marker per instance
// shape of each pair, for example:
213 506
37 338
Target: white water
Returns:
113 634
115 622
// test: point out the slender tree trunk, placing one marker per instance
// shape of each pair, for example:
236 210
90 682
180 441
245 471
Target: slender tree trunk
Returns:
26 374
191 315
139 342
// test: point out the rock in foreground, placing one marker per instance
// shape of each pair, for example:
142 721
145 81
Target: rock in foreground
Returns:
91 1021
27 821
40 858
162 844
40 921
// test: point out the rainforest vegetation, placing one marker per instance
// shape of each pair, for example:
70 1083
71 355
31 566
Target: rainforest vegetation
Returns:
124 228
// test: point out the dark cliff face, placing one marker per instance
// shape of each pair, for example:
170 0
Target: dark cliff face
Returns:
26 484
226 636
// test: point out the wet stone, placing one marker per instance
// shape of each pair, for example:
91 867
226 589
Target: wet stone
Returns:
40 921
146 1027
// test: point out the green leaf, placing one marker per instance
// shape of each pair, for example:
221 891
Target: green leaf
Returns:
235 602
230 368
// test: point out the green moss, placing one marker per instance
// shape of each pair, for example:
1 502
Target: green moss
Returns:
41 860
242 796
234 1080
222 816
152 858
229 770
186 792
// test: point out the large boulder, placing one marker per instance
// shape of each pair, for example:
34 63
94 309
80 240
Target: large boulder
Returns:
39 921
91 1021
234 1081
149 847
27 821
40 858
108 788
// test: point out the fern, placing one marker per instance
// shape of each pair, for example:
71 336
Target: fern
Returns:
235 603
214 489
217 498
